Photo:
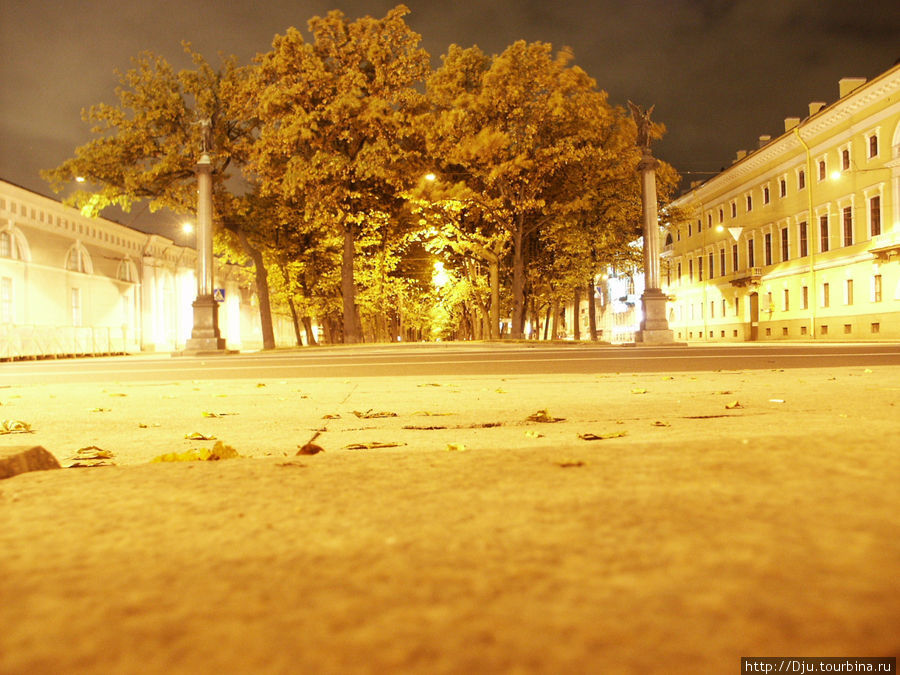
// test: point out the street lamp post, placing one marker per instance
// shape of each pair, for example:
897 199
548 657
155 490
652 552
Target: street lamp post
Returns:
654 325
205 337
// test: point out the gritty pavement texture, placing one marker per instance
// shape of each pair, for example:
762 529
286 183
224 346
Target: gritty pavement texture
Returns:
714 516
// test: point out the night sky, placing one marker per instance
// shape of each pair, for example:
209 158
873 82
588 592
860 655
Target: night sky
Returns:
720 73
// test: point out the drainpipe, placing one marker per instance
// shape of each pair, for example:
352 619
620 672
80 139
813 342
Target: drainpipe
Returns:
810 234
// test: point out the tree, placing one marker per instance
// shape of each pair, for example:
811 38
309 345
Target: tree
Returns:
148 144
334 141
522 130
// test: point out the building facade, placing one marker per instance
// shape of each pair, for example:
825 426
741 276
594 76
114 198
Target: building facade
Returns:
799 239
72 285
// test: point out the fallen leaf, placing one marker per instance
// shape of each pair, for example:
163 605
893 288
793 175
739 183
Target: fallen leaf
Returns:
638 391
569 464
661 424
501 391
370 414
733 405
868 370
544 417
533 434
372 446
602 437
456 447
299 464
260 384
15 427
197 436
668 377
93 452
415 428
483 425
429 384
219 451
724 393
310 449
215 415
428 413
331 417
117 395
776 400
101 410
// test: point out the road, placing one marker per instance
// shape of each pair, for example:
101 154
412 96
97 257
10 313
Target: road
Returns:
449 359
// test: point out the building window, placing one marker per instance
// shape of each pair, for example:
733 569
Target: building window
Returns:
823 171
823 330
708 220
785 253
679 273
873 145
749 202
876 327
802 240
826 295
722 261
875 215
767 240
734 257
848 292
691 271
734 209
75 299
712 267
823 233
766 194
805 297
876 288
848 225
700 268
801 180
690 229
845 159
75 262
6 300
782 187
786 304
721 215
712 309
751 257
6 245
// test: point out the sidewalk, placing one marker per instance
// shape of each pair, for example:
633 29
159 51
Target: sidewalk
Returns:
714 516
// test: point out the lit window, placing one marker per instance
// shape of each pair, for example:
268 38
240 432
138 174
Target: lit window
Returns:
786 304
875 215
873 145
848 226
848 291
876 288
805 295
826 295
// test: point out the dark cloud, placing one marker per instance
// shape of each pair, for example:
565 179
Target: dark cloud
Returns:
720 72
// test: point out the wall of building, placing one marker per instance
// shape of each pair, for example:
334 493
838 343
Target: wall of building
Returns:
799 239
76 285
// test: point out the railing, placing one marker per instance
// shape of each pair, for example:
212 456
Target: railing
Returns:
38 342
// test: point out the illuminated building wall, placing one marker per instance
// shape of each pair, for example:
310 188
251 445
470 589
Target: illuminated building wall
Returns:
800 238
76 285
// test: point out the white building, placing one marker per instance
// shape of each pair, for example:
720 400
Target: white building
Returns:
73 285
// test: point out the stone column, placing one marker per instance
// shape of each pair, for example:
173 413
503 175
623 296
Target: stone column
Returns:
654 325
205 336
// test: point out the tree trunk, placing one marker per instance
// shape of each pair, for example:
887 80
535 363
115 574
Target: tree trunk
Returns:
295 320
348 288
592 311
547 320
576 315
310 333
262 290
554 325
518 284
494 267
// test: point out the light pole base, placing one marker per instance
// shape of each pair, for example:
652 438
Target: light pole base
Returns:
205 337
655 327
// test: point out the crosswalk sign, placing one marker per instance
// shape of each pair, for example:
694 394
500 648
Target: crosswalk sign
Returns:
219 294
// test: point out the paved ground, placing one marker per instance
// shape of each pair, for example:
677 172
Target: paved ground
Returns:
718 515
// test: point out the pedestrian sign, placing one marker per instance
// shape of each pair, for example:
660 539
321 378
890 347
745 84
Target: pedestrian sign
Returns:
219 294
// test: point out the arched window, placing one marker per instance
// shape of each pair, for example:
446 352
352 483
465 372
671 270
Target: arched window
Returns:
8 249
14 245
79 260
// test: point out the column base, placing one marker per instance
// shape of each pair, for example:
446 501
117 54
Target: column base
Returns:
654 327
205 338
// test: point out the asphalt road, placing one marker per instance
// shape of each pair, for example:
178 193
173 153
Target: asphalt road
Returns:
449 359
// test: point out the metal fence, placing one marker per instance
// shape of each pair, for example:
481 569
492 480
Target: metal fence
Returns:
39 342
